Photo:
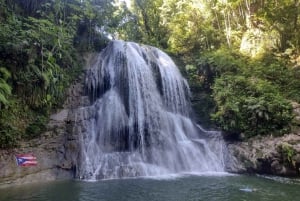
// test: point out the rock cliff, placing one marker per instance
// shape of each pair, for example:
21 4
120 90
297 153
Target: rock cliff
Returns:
56 149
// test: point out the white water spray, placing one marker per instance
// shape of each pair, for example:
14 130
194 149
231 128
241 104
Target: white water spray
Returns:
138 123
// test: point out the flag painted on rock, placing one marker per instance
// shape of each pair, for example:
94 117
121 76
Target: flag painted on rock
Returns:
26 160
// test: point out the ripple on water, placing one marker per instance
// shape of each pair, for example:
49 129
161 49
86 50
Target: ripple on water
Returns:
181 188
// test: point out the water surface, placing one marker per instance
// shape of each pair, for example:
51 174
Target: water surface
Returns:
185 188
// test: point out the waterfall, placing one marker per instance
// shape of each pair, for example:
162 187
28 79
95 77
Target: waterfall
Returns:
138 122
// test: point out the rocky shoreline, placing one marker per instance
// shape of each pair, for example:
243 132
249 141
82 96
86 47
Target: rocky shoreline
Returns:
278 156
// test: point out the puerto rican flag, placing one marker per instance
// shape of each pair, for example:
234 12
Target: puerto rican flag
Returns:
26 160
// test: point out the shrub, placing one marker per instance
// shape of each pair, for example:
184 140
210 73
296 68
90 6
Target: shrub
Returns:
251 106
35 128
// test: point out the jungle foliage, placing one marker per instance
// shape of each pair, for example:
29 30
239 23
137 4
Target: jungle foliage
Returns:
241 57
41 51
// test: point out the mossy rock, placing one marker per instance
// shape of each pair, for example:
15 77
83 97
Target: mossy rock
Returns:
288 153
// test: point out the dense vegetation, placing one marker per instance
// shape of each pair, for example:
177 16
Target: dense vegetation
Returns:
41 52
241 57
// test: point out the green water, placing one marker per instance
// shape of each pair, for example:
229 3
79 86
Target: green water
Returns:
187 188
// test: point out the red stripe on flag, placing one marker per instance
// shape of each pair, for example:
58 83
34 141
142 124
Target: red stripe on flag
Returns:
29 163
26 160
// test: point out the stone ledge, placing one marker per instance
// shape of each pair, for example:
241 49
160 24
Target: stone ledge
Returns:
38 177
265 155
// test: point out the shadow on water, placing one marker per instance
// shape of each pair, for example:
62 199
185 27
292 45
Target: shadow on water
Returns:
179 188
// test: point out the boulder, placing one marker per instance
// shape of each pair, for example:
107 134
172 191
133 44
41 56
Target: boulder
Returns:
267 155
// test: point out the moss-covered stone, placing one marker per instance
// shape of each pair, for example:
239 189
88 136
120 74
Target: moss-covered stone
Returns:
268 155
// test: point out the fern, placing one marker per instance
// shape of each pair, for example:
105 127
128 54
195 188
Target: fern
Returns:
5 88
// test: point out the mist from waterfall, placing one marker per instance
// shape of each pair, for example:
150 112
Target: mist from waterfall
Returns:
138 123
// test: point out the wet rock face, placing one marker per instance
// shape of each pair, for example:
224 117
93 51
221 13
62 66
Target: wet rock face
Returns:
50 152
267 155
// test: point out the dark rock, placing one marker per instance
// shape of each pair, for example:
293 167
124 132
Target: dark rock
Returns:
266 155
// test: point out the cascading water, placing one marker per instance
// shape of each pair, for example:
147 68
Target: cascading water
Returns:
138 123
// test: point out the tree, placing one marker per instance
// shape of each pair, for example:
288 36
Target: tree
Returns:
146 14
